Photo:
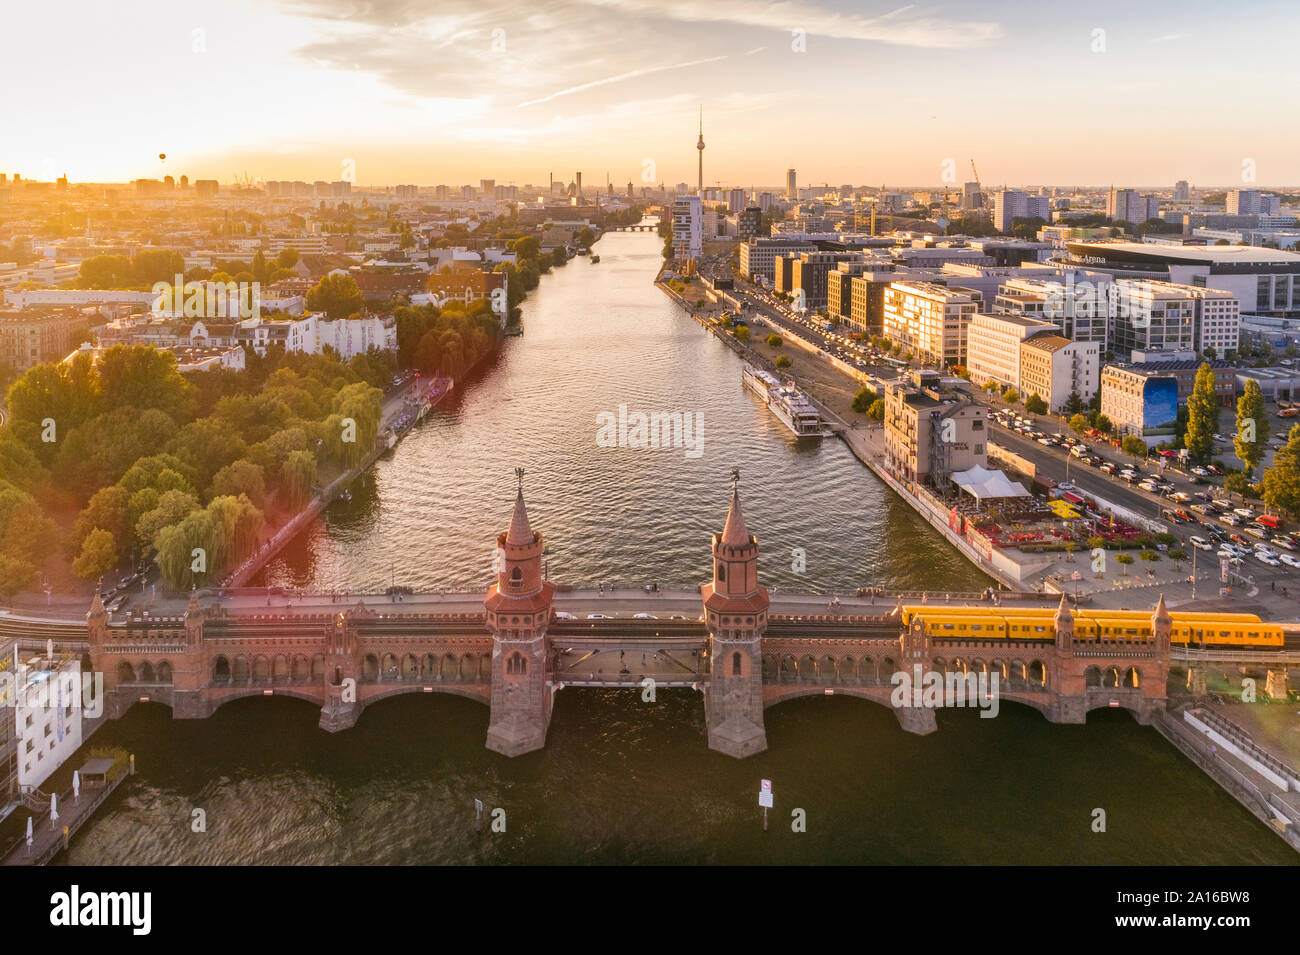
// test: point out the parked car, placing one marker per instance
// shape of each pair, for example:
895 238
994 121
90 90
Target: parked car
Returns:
1289 560
1266 559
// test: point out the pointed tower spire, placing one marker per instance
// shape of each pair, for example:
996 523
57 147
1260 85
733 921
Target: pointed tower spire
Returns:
1063 611
734 533
1162 612
520 533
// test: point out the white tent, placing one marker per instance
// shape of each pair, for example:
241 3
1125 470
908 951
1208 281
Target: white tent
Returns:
981 484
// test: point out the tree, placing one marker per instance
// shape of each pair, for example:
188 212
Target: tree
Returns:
1079 424
774 340
1202 416
297 477
1238 482
1011 396
1073 405
1124 560
338 296
863 399
1252 426
783 361
586 236
1134 446
742 333
1035 404
1282 480
239 477
1103 424
877 410
98 555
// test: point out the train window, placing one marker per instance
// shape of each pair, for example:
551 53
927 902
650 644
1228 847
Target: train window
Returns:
976 626
1224 633
1039 629
1253 636
947 626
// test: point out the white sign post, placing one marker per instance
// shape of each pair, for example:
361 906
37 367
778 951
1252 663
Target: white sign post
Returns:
765 799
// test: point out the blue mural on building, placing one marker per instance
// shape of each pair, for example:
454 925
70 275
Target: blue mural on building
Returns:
1160 407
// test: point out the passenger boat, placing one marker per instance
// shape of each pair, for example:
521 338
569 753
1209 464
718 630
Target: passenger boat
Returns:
787 402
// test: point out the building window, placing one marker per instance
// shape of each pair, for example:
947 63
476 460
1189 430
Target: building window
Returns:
722 571
516 665
735 664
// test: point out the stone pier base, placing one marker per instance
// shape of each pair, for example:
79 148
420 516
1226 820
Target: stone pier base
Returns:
738 737
334 719
916 719
1196 680
1276 685
516 734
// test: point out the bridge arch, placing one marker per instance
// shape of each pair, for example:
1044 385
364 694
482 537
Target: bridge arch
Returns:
1092 676
239 670
300 669
164 672
370 668
145 674
388 668
261 669
125 673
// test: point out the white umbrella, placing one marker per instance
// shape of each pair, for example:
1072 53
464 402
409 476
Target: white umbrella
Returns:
76 784
29 833
54 809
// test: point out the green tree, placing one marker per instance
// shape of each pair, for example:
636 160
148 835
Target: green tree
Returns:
1251 438
742 333
1035 404
98 555
1134 446
1079 424
1202 416
774 340
1238 482
1282 481
1011 396
863 399
338 296
1124 560
239 477
877 410
297 478
783 361
1074 405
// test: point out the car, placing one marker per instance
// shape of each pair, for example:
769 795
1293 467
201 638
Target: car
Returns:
599 616
1200 543
1244 512
1078 450
1148 486
1046 441
1232 520
1289 559
1262 548
564 615
1200 472
1108 467
1219 437
1266 559
1284 542
644 616
1214 469
1256 531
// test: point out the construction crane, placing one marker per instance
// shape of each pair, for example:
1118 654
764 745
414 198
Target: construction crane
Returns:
975 172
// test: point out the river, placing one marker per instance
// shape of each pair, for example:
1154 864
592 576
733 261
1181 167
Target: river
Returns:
621 780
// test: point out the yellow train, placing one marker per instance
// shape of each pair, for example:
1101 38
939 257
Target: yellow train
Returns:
1038 623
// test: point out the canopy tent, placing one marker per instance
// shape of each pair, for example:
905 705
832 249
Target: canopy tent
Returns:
982 484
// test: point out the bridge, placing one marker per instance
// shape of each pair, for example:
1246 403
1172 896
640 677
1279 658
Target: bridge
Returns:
634 228
524 642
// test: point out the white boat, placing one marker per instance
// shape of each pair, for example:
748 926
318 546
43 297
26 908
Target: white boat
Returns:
787 402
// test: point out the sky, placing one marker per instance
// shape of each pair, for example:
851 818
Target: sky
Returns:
454 91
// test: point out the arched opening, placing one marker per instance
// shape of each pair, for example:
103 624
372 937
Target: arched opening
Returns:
318 668
887 670
221 671
484 668
468 667
239 671
808 669
429 666
369 668
867 670
1092 676
1132 678
125 673
449 669
826 670
388 671
1037 674
1110 679
280 668
164 674
261 670
735 664
300 671
848 671
410 667
789 670
146 672
516 665
722 572
770 669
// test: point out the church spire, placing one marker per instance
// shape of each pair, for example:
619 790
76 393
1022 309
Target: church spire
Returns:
520 532
734 532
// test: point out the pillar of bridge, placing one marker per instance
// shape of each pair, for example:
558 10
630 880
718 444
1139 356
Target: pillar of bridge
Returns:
916 719
1196 680
518 613
1275 685
735 614
342 676
190 671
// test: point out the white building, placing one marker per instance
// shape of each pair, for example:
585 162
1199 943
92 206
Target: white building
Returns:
1252 202
1127 205
47 715
930 319
1217 321
993 347
1054 367
688 229
1012 204
356 336
758 255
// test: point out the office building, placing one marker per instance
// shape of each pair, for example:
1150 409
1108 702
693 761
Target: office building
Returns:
1053 367
1251 202
993 346
930 319
932 429
1125 205
688 231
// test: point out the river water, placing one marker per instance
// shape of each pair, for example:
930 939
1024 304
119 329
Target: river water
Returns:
622 780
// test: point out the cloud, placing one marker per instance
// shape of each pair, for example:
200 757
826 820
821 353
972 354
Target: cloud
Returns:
902 27
631 74
1169 36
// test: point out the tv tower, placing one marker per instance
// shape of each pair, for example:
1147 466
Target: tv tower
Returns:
700 147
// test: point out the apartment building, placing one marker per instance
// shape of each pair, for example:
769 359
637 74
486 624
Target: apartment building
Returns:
930 319
28 338
1140 401
933 429
1126 205
688 231
759 253
993 346
1053 367
1012 204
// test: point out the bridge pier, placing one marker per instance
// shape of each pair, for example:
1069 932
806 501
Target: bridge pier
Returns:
341 709
1196 680
916 719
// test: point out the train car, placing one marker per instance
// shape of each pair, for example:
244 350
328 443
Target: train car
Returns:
1038 624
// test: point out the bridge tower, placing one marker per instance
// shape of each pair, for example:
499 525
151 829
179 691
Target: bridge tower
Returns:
190 671
735 613
518 613
342 675
1067 681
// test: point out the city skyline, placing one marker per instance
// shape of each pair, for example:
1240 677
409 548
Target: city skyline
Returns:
478 90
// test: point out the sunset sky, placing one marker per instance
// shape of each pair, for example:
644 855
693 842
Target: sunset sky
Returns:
451 92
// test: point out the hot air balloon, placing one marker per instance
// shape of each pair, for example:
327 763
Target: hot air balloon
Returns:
162 156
